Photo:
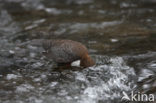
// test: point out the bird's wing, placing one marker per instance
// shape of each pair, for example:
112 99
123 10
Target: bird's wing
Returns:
64 53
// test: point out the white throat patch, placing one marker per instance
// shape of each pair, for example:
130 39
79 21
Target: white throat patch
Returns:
76 63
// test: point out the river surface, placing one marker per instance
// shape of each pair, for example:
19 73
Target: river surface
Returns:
119 34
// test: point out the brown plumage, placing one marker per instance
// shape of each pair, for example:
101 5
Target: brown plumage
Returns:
67 51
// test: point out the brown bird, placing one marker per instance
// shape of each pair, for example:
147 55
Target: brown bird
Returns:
67 51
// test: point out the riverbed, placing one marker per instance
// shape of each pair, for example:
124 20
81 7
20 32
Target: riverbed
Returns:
119 34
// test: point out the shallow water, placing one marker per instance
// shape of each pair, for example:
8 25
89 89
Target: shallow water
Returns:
120 36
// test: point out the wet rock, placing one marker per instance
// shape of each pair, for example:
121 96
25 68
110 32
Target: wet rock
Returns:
6 65
5 18
35 4
37 80
24 88
32 55
62 93
7 25
11 52
4 53
114 40
37 65
53 84
11 76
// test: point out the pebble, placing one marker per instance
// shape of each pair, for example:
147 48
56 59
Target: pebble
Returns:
11 76
114 40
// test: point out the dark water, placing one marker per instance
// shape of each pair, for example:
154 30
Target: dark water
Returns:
120 36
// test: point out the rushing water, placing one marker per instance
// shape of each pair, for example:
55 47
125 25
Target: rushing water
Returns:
120 36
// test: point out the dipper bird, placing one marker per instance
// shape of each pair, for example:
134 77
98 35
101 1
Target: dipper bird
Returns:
66 52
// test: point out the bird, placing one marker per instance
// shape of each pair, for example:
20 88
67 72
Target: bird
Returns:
64 52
